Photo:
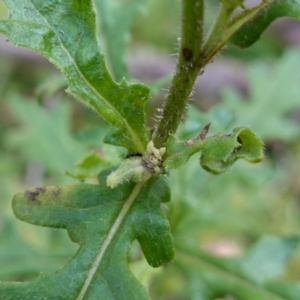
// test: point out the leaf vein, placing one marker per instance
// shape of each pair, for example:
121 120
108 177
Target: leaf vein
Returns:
92 88
109 238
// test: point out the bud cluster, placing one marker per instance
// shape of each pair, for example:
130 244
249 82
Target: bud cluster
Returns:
138 168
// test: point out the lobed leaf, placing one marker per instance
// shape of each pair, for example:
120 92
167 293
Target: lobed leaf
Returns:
65 33
104 222
218 152
250 32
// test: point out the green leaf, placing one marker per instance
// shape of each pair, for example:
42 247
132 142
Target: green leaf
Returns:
252 276
65 33
116 19
104 222
218 152
250 32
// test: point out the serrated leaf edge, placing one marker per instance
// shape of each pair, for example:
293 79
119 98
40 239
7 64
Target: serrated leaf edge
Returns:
138 141
130 130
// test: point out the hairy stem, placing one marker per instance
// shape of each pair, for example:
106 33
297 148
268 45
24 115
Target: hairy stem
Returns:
194 55
187 70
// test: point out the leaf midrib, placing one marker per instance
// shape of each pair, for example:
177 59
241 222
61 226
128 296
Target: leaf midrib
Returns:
107 241
135 137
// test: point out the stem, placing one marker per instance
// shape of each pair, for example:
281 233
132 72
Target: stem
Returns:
193 57
216 34
227 28
186 72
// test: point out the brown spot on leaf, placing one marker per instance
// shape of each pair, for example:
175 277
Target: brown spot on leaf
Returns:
56 191
187 54
236 149
31 195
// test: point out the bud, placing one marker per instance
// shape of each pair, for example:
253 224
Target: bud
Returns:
138 168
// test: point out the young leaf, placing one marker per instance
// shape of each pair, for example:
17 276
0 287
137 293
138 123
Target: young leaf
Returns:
104 222
218 152
250 32
65 33
116 18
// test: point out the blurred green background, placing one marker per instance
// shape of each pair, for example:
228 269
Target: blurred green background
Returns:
44 132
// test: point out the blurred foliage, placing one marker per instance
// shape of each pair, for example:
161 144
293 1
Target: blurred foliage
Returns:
269 106
164 35
227 215
116 19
